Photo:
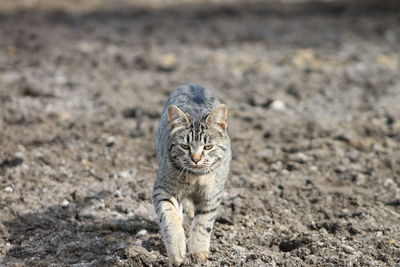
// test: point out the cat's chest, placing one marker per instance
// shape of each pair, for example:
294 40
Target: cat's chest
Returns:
192 181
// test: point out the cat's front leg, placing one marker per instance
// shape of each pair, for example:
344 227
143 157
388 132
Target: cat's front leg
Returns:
199 241
170 221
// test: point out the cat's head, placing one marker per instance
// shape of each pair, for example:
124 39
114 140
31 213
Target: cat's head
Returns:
198 146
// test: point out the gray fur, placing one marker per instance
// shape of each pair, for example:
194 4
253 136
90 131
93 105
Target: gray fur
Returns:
192 128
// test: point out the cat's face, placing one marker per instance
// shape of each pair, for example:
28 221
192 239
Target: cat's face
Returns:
198 146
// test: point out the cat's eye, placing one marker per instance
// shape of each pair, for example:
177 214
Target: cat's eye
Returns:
186 147
208 147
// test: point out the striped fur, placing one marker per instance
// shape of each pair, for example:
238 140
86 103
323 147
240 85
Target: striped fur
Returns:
193 152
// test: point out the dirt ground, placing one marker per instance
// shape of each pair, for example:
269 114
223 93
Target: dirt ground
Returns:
314 101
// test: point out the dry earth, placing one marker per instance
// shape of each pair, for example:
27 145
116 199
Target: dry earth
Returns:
314 99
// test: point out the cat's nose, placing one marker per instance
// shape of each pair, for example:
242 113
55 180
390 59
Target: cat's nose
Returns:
196 158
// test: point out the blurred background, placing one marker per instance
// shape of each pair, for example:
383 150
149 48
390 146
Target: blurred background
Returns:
313 91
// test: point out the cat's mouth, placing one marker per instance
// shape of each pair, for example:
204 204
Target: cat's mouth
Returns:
202 167
198 168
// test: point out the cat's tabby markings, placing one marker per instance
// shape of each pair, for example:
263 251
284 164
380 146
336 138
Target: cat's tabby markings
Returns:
193 152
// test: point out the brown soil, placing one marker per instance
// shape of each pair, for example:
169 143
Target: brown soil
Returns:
314 100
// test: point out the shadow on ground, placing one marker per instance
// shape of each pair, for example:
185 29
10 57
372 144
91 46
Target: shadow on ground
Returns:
66 234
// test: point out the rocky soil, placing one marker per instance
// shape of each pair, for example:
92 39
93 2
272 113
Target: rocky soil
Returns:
314 101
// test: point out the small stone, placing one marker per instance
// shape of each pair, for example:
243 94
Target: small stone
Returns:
8 189
300 157
266 154
6 248
19 155
138 243
87 47
389 183
141 233
143 195
100 205
285 172
125 174
238 249
360 179
136 251
65 203
348 249
78 196
278 105
110 141
168 62
65 116
340 169
314 168
276 166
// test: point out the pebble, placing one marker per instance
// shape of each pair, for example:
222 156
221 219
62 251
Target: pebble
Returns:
168 62
348 249
238 249
285 172
87 47
360 179
314 168
117 194
267 154
340 169
276 166
65 203
136 251
110 141
141 233
8 189
300 157
125 174
389 183
278 105
100 205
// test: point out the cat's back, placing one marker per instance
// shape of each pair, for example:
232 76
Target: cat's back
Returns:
194 100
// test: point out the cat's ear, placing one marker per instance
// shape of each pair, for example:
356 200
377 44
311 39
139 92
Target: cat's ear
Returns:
176 118
218 117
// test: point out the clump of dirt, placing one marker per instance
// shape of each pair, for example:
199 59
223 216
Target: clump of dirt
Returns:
313 95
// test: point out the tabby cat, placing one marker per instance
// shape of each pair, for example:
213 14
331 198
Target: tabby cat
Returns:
193 152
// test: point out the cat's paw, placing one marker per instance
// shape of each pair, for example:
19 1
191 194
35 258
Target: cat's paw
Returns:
176 260
177 252
199 255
